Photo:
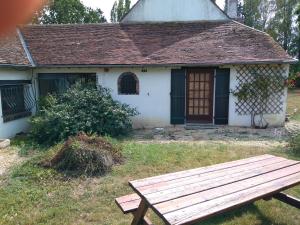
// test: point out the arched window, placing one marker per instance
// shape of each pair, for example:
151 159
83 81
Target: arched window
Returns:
128 84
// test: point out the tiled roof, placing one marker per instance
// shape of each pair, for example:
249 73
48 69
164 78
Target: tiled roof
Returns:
12 51
194 43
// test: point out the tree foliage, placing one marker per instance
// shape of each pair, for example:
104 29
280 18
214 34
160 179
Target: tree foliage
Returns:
68 12
276 17
119 10
251 13
282 24
298 21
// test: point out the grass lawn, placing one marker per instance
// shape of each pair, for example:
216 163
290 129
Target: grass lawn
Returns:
294 103
33 195
30 194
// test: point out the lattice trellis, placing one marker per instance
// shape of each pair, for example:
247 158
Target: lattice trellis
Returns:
246 74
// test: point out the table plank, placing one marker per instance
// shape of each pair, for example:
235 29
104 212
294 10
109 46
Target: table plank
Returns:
207 209
236 171
208 195
169 194
208 169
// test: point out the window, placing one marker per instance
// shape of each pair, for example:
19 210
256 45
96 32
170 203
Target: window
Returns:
16 101
128 84
58 83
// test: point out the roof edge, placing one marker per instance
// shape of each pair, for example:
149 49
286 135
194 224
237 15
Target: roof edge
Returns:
25 47
15 66
166 65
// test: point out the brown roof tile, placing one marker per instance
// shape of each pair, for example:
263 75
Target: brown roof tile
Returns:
12 51
201 43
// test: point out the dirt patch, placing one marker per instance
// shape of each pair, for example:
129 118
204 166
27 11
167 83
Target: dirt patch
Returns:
8 158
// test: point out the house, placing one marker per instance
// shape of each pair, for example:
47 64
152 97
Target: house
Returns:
175 61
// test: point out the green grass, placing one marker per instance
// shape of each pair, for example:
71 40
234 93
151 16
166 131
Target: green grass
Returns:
33 195
294 103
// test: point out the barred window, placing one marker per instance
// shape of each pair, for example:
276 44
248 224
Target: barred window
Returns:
58 83
16 101
128 84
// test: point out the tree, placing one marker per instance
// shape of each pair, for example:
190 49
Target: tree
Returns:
266 9
298 21
239 9
113 13
68 12
282 24
119 10
251 13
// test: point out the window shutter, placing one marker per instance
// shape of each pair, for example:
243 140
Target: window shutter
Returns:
178 96
222 96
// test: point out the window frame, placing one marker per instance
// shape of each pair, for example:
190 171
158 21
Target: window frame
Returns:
54 78
137 85
21 111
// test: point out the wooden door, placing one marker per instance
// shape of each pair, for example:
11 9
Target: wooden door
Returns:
200 85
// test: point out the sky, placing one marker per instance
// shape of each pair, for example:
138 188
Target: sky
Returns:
106 5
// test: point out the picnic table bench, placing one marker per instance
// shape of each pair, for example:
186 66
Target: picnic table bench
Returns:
188 197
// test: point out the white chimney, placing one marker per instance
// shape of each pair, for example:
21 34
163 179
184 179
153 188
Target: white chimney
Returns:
232 8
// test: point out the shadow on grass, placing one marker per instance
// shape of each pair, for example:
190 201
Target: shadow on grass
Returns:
26 145
249 209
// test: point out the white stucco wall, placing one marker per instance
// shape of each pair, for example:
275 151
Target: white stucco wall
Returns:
153 101
10 129
274 120
174 10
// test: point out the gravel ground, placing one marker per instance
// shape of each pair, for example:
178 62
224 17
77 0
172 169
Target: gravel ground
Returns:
8 158
270 137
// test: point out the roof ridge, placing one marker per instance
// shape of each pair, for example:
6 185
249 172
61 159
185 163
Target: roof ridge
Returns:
252 28
127 23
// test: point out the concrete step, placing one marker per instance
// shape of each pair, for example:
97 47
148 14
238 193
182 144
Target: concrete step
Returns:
195 126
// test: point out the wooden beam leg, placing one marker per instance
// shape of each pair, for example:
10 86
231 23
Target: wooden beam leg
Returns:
138 218
146 221
288 200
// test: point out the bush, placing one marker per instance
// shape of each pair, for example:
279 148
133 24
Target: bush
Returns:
84 155
83 108
295 144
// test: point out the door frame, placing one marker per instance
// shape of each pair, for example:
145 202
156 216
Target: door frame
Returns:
201 119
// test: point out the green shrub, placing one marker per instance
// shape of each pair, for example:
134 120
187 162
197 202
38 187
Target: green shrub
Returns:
295 144
84 155
83 108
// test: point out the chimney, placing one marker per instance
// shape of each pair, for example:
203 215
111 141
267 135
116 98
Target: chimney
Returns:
232 8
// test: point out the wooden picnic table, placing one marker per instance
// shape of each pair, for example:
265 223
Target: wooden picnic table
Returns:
194 195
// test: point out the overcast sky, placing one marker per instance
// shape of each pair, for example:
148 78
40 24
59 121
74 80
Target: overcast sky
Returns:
106 5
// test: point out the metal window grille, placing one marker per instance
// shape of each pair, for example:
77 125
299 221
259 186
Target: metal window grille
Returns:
128 84
245 74
59 83
17 102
